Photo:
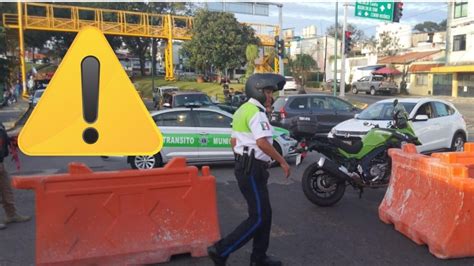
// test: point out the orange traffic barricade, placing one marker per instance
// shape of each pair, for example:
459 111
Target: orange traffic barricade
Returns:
431 199
123 217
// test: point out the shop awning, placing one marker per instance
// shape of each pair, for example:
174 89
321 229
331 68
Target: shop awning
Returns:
422 68
387 71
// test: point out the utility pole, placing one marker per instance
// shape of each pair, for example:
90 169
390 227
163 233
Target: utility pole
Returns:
325 56
335 53
153 64
342 89
22 48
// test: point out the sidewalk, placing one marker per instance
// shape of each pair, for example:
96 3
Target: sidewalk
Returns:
10 115
441 97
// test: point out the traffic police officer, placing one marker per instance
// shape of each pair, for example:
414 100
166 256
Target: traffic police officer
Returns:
252 144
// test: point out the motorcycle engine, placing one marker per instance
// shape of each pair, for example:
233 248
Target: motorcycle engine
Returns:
378 171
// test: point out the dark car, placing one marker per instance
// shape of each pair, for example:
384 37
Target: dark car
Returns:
310 114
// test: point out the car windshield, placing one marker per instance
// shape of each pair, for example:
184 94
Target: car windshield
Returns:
289 79
38 94
182 100
168 90
382 111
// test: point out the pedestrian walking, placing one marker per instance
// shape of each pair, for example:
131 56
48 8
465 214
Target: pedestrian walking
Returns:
6 192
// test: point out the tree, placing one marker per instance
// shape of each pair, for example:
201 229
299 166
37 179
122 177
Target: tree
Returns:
251 53
7 64
4 69
301 66
387 44
357 35
430 26
442 25
219 40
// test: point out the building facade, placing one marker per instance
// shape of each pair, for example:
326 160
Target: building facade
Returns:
459 68
321 48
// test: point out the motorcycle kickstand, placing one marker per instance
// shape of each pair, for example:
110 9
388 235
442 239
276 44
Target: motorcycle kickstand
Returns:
361 191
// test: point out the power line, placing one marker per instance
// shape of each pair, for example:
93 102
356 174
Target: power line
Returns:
412 16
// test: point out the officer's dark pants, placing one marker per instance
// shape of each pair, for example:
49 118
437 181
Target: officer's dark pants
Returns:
259 222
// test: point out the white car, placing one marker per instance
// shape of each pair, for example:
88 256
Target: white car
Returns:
290 86
445 128
202 135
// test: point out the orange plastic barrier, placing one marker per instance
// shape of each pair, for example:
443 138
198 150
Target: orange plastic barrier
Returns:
431 200
123 217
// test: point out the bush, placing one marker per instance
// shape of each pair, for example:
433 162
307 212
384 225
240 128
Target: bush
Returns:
315 76
313 84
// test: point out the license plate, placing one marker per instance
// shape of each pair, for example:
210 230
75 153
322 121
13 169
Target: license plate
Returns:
298 159
348 142
274 118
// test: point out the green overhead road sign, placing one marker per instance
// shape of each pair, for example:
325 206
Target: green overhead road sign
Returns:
375 10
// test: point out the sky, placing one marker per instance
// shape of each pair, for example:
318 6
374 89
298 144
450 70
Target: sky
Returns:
322 15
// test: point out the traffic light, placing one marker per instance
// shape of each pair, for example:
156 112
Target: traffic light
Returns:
280 46
347 44
397 11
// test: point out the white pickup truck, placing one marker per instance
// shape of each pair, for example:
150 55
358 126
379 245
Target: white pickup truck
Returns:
373 85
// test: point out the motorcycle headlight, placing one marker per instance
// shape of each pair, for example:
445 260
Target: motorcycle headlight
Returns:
285 137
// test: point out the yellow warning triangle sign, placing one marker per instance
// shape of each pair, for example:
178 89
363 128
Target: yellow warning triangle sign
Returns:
90 107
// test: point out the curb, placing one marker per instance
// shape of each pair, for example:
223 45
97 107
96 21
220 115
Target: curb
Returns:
20 117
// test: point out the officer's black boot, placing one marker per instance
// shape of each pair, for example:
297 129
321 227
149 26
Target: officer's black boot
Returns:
218 260
265 261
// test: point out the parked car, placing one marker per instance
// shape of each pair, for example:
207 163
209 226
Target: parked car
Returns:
290 86
202 135
374 84
161 93
437 123
195 99
183 98
36 97
310 114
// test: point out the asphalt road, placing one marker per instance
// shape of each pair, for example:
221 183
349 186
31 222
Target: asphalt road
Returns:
348 233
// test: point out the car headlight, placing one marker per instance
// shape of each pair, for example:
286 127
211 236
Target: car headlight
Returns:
285 137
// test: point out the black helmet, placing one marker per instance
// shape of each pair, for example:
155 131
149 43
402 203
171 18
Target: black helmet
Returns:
257 82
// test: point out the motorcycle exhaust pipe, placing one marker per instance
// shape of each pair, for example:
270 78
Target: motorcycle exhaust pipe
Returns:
335 170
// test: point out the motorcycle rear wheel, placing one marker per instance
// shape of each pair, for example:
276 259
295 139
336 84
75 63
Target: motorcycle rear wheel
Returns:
320 188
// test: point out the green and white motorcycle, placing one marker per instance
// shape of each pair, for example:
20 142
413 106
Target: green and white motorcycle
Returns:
364 164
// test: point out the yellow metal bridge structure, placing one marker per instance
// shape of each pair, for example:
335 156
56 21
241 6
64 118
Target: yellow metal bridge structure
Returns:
64 18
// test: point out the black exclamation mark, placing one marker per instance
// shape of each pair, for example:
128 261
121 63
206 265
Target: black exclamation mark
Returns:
90 72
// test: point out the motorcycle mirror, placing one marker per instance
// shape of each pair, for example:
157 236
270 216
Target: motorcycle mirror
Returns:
395 102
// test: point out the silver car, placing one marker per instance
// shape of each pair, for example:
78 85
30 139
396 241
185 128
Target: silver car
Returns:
201 135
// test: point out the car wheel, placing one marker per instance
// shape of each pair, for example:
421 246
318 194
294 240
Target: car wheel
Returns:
458 142
278 149
372 91
144 162
354 90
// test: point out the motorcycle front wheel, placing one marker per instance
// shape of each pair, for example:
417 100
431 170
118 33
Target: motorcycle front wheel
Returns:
321 188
